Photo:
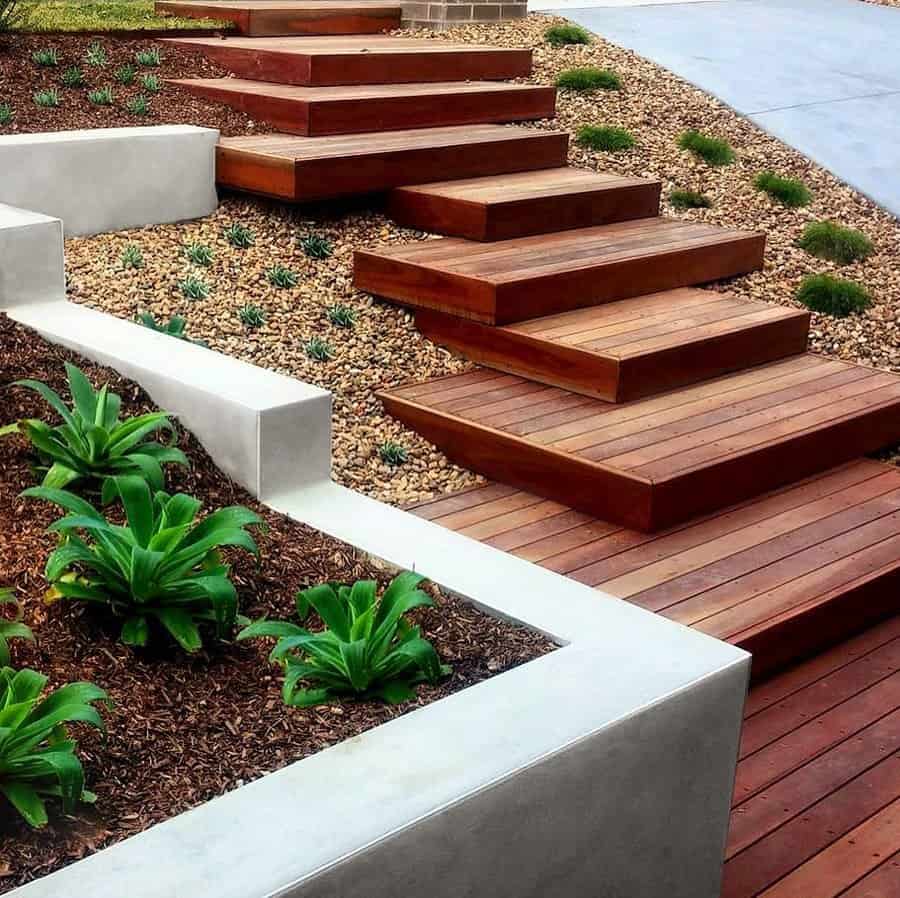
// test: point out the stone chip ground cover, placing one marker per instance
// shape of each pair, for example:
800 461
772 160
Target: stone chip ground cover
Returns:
383 347
184 729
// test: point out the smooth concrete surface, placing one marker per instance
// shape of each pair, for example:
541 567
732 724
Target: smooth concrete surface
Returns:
263 429
31 257
821 75
110 179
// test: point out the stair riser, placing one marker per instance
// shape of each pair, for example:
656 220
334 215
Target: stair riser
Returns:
615 380
524 218
318 179
276 23
369 68
421 286
360 116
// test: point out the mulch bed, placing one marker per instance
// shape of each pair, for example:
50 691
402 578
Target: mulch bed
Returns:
185 729
21 77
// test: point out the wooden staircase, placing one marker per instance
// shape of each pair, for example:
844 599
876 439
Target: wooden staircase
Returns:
673 446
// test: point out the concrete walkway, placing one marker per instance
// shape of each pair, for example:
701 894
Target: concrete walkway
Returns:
822 75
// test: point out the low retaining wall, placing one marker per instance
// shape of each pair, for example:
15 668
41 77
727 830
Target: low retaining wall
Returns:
442 14
31 257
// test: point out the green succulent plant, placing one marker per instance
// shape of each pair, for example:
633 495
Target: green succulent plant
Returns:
341 316
199 254
367 649
92 443
151 84
6 114
11 628
132 257
175 327
138 105
164 565
103 96
73 77
193 287
126 74
392 453
47 99
251 315
281 277
95 55
46 57
149 58
318 349
239 236
315 246
37 758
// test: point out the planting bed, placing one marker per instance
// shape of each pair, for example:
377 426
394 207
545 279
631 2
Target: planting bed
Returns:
21 78
185 729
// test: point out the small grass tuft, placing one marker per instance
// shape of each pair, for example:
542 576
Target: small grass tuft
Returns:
341 316
788 191
175 328
833 296
151 84
101 97
199 254
281 277
252 316
149 59
193 287
828 240
125 74
46 57
318 349
73 77
561 35
315 246
604 137
711 150
138 106
239 236
392 453
95 55
132 257
6 114
589 78
47 99
689 199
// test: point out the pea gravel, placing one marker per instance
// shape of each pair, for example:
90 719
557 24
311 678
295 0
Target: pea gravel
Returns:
383 348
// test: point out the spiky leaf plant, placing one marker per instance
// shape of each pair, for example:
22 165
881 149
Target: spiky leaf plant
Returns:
6 114
92 443
46 57
132 257
11 628
138 105
318 349
101 97
95 55
239 236
73 77
829 240
126 74
251 315
174 328
149 58
392 453
199 254
711 150
315 246
562 35
151 84
367 649
788 191
341 316
193 287
164 565
46 99
281 277
37 757
589 78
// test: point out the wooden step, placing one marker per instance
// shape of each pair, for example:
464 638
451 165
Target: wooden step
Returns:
266 18
632 348
354 109
302 169
782 576
529 277
323 61
655 462
518 205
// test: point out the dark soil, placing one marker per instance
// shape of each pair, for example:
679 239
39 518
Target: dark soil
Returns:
21 77
185 729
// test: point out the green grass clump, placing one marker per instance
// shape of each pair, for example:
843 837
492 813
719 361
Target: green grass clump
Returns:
392 453
199 254
788 191
151 84
101 15
149 59
828 240
318 349
239 236
589 78
833 296
689 199
252 316
604 137
125 74
193 287
46 58
96 55
101 97
132 257
561 35
315 246
711 150
281 277
6 114
73 77
341 316
48 99
138 105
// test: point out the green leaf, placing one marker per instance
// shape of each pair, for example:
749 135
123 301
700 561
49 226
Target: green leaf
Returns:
138 505
181 626
354 658
135 631
26 801
328 606
59 476
82 393
396 692
274 628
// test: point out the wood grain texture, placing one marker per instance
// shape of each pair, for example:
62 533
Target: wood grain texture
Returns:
323 61
632 348
302 169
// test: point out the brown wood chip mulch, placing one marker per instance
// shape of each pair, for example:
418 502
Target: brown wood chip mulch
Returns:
185 729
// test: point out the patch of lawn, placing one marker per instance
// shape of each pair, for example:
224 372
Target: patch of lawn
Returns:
604 137
689 199
711 150
788 191
833 296
561 35
828 240
589 78
101 15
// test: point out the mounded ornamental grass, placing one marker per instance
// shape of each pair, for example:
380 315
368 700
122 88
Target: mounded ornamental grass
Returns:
561 35
101 15
828 240
689 199
833 296
604 137
788 191
711 150
588 78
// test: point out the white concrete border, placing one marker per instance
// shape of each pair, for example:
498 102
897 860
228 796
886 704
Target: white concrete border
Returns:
31 257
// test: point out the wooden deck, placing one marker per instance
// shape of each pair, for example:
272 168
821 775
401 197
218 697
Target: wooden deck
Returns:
632 348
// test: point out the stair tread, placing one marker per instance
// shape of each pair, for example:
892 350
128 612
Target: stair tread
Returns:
289 5
350 45
793 557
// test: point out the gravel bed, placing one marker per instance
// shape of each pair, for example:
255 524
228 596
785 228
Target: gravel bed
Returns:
384 348
183 729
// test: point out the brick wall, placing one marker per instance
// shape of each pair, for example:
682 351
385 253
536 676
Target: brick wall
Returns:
448 13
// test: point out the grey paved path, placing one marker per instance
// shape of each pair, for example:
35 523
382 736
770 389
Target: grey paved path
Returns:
822 75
